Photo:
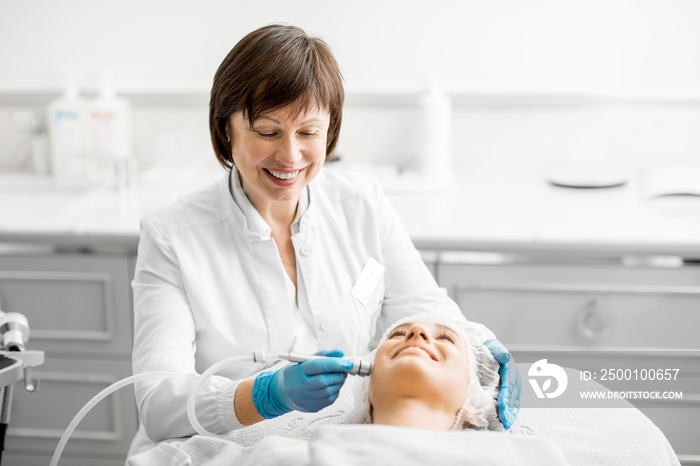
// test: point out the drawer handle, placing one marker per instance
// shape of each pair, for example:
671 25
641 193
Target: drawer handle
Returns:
591 321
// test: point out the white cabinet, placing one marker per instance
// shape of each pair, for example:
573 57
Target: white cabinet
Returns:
593 315
79 311
554 306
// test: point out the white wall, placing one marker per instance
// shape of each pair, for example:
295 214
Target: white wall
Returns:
598 41
546 44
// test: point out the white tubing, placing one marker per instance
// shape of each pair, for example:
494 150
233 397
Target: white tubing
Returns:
258 356
96 399
192 398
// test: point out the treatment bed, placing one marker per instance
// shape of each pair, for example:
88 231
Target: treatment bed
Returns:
619 435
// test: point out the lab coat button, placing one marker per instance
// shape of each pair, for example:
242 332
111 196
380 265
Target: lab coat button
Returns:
326 325
306 249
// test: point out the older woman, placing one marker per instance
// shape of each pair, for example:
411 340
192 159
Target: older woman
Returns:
279 255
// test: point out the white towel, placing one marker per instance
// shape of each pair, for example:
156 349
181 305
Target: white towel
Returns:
361 445
211 451
298 424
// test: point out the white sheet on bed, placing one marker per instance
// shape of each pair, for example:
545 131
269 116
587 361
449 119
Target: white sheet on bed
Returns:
617 434
600 436
362 445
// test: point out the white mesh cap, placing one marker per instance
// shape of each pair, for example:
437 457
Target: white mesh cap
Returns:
479 409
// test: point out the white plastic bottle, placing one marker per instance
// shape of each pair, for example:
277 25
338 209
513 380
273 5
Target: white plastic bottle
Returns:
110 133
436 156
111 150
67 136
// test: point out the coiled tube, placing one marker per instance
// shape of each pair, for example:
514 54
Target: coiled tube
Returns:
257 356
362 368
96 399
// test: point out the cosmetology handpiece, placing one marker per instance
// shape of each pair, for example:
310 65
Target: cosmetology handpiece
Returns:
360 366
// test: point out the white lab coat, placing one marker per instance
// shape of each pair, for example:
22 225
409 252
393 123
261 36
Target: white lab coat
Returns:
209 285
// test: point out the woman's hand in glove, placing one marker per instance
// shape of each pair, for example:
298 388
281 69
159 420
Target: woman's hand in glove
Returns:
511 383
308 386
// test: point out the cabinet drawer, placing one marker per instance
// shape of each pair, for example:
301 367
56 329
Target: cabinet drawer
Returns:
39 419
678 421
555 307
74 303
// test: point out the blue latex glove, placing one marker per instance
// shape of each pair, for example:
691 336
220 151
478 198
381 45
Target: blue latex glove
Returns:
511 383
308 386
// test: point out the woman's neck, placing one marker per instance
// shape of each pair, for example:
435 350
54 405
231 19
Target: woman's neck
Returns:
412 412
278 214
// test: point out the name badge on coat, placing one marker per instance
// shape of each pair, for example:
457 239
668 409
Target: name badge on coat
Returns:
366 283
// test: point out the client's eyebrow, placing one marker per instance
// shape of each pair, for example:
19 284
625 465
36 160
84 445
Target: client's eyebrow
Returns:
447 328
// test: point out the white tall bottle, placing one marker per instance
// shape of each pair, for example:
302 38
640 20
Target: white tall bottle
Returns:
110 126
67 136
111 150
436 153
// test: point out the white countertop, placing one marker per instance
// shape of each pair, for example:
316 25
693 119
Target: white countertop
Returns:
490 211
479 211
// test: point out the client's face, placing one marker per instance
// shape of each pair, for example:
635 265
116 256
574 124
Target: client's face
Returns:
424 359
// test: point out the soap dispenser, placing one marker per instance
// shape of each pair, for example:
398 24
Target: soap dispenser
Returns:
110 126
111 148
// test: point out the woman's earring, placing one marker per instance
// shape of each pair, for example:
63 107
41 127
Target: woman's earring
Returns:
228 138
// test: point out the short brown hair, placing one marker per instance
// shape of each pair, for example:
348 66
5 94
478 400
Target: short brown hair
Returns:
271 68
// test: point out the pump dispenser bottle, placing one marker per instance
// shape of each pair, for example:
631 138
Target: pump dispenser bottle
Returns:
110 124
435 156
111 143
67 135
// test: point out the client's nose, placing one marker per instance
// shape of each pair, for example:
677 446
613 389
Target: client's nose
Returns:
417 331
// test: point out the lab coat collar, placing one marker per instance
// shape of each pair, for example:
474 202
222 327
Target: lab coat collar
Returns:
255 224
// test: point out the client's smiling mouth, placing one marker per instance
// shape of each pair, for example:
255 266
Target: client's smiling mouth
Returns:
283 175
417 348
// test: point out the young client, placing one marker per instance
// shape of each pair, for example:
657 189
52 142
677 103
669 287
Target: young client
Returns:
430 373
